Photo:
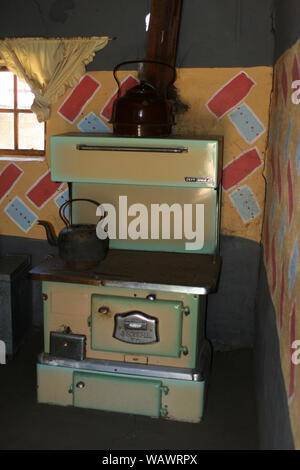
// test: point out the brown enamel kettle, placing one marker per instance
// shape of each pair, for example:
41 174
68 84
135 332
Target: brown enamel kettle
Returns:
143 111
78 244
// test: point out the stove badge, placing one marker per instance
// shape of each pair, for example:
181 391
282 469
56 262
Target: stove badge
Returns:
195 179
136 327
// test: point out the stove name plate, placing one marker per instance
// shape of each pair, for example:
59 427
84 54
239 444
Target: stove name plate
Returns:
136 327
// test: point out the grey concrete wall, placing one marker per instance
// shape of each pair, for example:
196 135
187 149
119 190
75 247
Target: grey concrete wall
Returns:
213 33
273 415
231 33
286 25
38 250
230 312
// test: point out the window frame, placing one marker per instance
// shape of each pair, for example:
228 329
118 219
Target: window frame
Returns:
15 111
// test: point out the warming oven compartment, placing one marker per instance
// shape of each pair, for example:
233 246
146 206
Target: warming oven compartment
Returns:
150 196
168 162
137 326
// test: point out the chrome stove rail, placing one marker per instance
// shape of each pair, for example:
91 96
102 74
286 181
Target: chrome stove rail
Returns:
107 148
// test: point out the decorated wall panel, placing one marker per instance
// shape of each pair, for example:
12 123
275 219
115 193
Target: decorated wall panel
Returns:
281 226
230 102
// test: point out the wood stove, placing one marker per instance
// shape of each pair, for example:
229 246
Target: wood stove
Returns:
129 335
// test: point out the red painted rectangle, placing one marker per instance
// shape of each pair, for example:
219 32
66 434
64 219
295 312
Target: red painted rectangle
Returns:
240 168
230 95
8 178
295 69
279 178
78 98
281 297
284 84
273 165
43 190
128 83
290 192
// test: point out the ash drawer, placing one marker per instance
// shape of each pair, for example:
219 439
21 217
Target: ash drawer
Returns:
110 159
176 394
120 393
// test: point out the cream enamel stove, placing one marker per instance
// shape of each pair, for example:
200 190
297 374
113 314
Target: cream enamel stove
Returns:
129 335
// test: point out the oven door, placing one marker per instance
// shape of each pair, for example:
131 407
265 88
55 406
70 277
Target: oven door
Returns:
137 326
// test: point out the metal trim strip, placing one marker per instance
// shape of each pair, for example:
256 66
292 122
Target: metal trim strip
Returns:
159 287
132 149
98 365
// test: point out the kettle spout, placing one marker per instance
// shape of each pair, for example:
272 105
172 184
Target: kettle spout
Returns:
51 237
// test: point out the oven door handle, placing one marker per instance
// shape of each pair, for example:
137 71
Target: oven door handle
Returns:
107 148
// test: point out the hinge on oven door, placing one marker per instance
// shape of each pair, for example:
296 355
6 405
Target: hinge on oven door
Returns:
164 389
184 350
185 310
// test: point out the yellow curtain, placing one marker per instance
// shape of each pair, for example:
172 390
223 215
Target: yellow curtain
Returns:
49 66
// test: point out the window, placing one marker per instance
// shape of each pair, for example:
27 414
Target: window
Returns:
20 131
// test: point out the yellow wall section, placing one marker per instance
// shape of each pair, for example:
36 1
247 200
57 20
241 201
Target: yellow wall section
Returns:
196 87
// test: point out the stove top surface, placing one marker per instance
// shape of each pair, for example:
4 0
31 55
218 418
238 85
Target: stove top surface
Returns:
177 272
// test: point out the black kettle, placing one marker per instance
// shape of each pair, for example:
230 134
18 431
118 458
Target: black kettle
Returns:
78 244
143 111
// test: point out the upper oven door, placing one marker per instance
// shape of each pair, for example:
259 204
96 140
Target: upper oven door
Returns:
181 162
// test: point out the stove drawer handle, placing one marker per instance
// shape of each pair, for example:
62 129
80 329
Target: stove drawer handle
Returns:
151 297
107 148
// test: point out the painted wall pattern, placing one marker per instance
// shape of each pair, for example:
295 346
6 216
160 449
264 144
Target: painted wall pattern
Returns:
281 225
229 102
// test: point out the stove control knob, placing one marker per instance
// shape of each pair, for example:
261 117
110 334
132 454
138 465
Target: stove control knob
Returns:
151 297
104 310
80 385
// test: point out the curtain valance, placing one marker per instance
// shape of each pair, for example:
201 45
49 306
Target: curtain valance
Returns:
49 66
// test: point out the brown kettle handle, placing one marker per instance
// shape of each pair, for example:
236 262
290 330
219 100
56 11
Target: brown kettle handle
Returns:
62 209
144 61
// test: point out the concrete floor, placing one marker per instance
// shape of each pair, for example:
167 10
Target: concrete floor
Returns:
229 423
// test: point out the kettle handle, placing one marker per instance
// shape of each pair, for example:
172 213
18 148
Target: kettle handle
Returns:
144 61
62 209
